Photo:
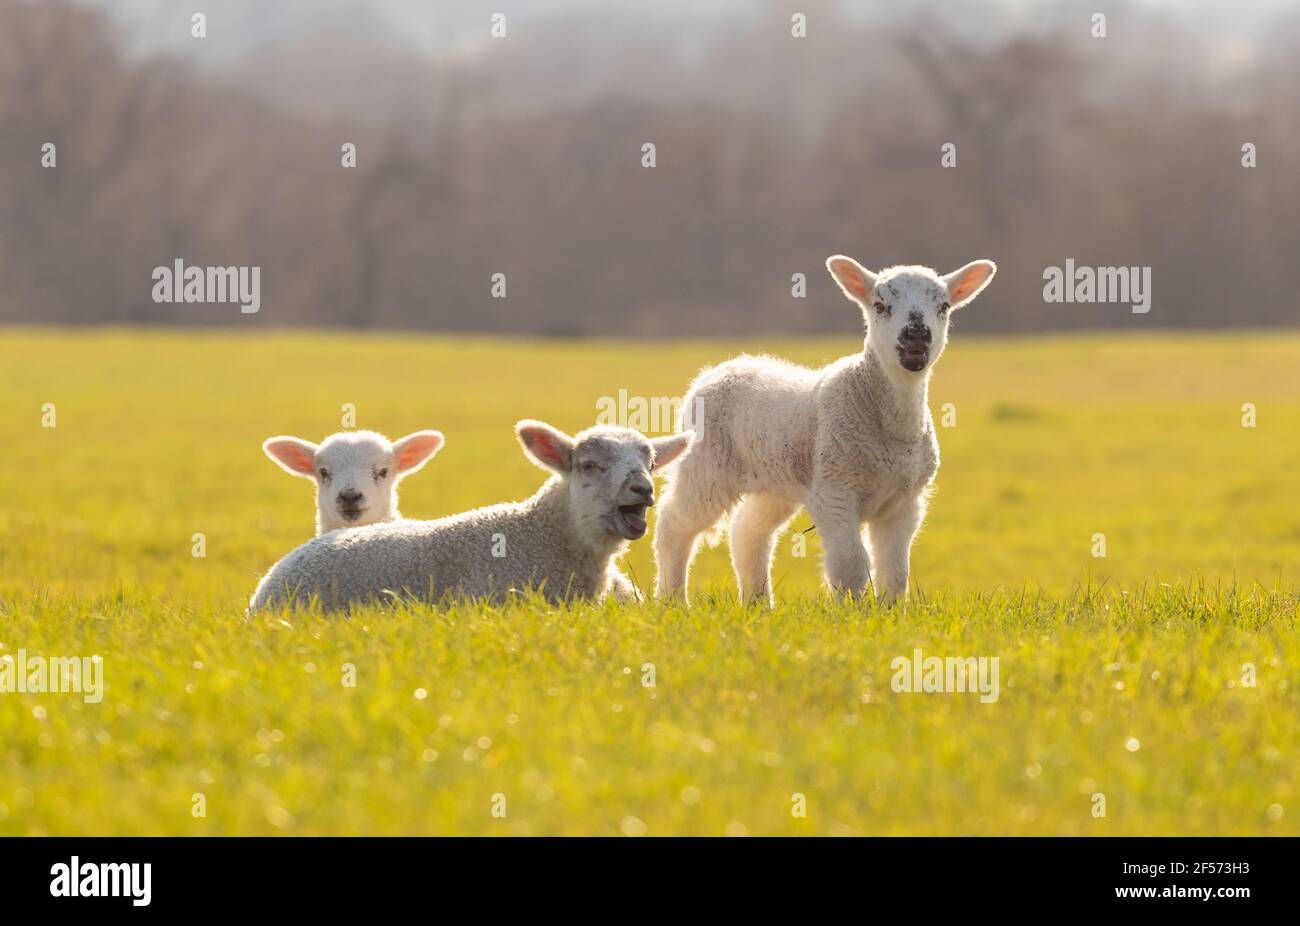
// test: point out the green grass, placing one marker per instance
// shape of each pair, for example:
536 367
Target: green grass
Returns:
1119 675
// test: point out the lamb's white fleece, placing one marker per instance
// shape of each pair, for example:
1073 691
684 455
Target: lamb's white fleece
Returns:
563 540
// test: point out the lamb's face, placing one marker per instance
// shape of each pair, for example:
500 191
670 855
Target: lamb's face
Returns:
356 472
608 471
907 317
907 309
610 481
356 475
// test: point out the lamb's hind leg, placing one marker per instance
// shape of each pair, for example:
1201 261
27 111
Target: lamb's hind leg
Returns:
683 514
754 528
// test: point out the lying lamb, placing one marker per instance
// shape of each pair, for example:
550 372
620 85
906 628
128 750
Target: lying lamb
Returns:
355 472
852 442
563 540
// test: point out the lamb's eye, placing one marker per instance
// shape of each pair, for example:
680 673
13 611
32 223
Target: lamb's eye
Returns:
324 474
943 308
381 474
590 467
881 309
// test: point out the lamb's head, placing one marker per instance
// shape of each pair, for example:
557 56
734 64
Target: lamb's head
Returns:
608 472
356 472
907 308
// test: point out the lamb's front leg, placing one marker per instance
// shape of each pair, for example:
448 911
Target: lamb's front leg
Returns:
621 587
847 567
891 534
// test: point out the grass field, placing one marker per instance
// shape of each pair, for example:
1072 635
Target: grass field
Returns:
1121 675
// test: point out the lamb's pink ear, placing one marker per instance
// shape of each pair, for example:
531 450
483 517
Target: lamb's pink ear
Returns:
414 450
965 284
856 280
670 448
545 446
294 455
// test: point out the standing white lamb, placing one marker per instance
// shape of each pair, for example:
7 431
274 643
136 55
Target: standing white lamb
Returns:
563 540
853 442
355 472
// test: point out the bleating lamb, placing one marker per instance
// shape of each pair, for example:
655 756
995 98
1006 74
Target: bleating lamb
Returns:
563 540
853 442
355 472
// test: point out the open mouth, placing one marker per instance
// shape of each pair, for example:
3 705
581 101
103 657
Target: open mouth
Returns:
914 359
630 521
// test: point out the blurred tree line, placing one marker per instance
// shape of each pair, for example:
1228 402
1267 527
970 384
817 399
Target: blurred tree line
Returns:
523 156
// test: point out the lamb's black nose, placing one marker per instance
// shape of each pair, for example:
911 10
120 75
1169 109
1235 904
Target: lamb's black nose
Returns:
646 492
915 333
349 497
